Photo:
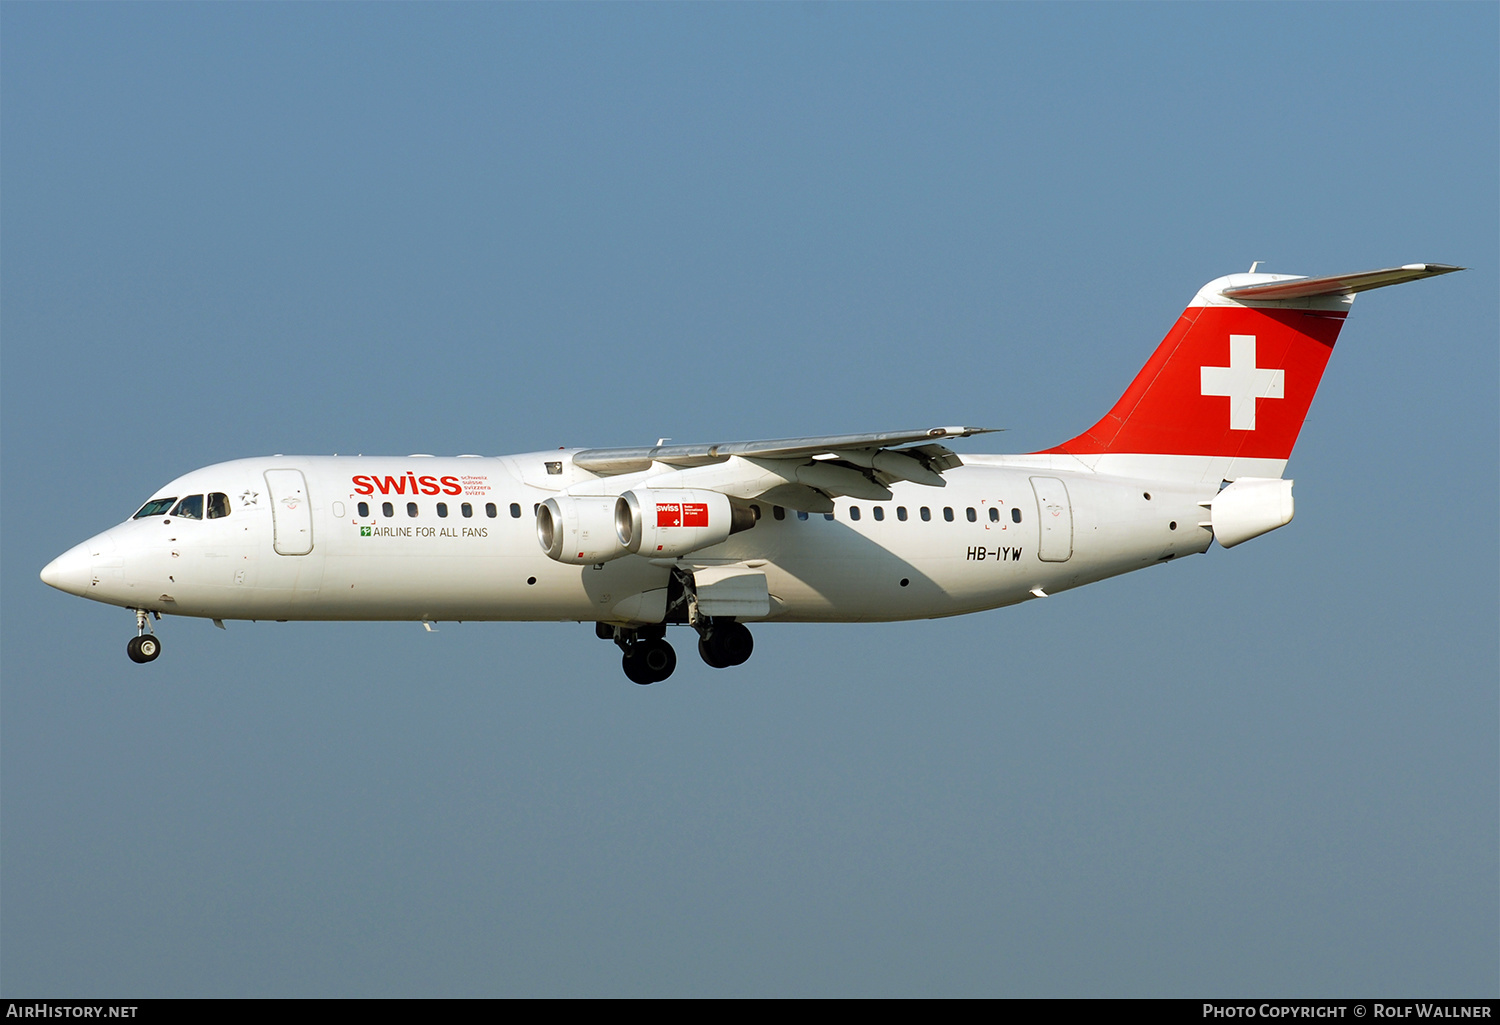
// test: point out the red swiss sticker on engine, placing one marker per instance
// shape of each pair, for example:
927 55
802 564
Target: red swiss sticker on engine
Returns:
682 514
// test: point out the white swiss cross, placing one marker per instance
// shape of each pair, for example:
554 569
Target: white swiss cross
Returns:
1243 382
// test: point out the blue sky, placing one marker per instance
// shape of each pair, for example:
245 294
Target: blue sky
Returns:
231 230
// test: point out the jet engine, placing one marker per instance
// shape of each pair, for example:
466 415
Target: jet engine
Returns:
655 522
581 529
667 522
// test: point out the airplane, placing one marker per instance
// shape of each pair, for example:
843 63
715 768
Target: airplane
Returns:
848 528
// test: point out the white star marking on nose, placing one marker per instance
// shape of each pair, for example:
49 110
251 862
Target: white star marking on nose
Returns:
1243 382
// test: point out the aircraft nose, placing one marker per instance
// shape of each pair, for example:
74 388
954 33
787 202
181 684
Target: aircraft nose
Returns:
72 571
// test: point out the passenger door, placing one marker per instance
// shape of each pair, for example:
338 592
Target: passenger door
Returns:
291 512
1055 541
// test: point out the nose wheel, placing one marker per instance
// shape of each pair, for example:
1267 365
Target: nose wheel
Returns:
144 647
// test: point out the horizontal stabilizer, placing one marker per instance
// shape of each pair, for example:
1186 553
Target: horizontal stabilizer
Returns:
1338 284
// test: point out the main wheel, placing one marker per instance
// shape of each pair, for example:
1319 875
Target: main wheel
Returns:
727 644
649 662
144 648
659 659
706 653
635 670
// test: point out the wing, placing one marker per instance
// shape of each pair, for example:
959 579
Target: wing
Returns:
630 460
803 473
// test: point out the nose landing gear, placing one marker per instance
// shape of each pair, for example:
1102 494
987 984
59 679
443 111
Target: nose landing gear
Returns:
144 647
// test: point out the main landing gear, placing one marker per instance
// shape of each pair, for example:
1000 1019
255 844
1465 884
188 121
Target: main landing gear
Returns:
648 658
143 647
725 643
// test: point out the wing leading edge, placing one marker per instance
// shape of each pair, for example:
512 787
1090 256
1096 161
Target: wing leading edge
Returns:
803 473
610 461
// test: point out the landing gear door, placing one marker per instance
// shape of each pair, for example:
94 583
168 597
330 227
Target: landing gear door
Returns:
291 512
1055 512
732 591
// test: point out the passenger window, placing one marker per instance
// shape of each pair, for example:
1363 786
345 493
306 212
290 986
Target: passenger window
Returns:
387 509
971 514
442 510
926 514
364 509
801 515
778 512
1015 513
218 505
190 508
879 512
828 516
853 512
901 513
467 509
411 509
490 510
948 513
756 510
994 515
515 510
155 507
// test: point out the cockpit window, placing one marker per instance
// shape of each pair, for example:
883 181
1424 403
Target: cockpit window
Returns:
218 505
190 508
155 507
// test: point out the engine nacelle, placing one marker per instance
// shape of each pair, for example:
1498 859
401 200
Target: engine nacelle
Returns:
582 529
1250 507
667 522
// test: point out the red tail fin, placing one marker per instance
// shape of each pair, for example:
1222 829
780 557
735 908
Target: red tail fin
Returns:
1234 378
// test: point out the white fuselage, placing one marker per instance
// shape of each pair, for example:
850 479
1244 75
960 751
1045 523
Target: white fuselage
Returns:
896 525
424 538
